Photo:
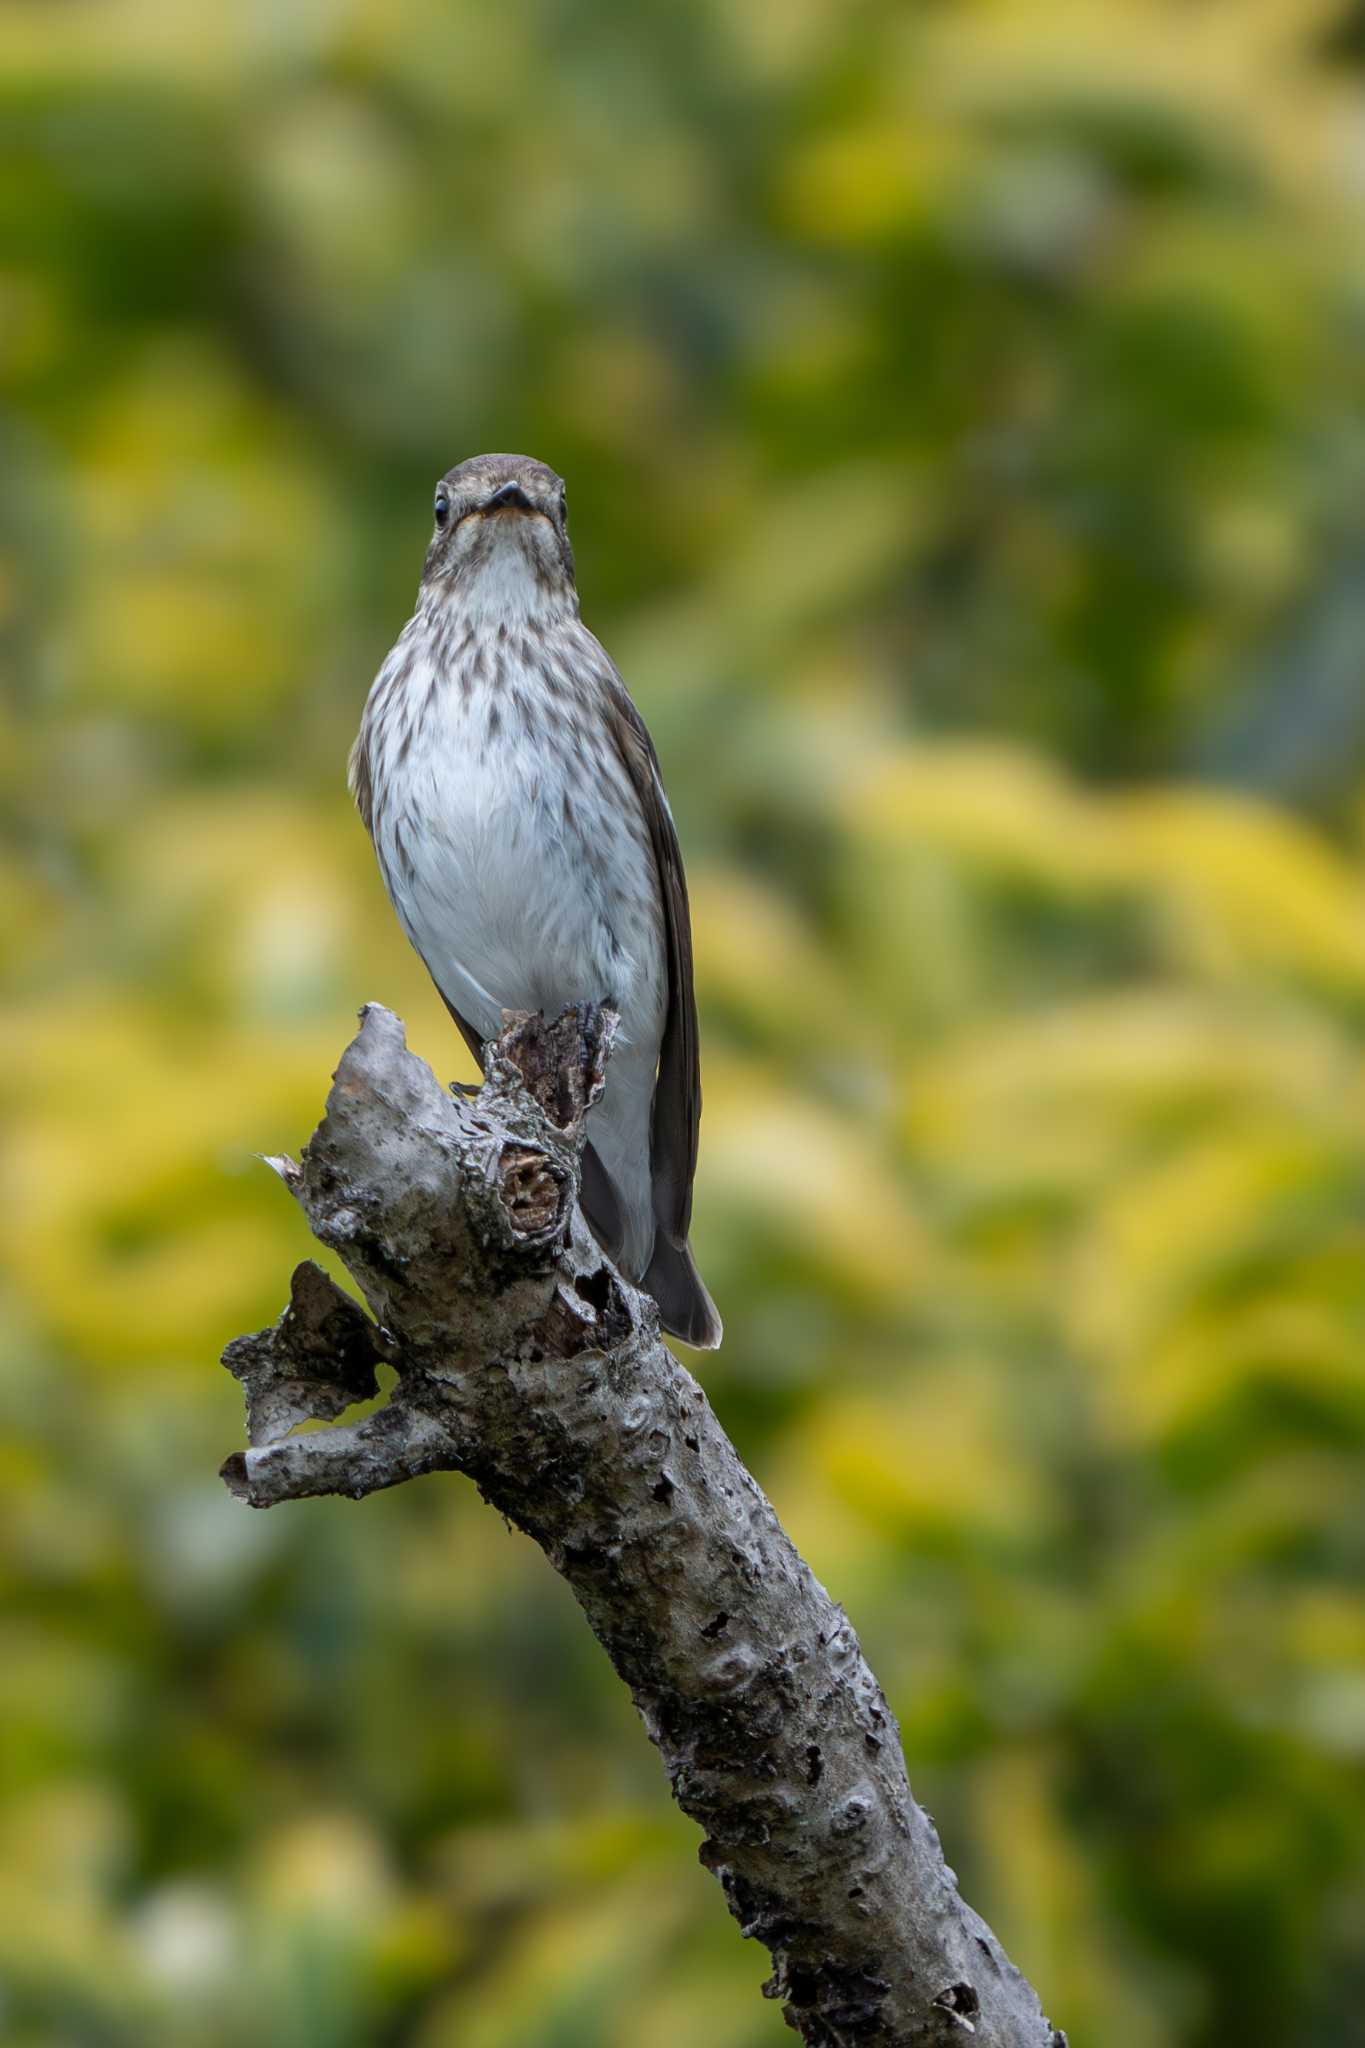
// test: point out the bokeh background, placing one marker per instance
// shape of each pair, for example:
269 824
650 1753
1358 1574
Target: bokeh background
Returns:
962 412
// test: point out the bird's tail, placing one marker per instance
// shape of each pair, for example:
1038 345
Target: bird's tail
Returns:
686 1310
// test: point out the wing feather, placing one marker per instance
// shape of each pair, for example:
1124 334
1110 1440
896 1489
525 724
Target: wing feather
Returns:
676 1117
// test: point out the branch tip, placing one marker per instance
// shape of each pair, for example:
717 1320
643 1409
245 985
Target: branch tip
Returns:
561 1062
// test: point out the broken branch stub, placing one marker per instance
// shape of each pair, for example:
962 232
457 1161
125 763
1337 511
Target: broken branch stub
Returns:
316 1362
525 1360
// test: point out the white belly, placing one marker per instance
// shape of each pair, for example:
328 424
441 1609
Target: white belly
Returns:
526 882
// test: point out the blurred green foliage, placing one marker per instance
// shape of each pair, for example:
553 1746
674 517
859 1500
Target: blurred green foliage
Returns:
962 412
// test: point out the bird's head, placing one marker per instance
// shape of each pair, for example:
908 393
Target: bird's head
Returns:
501 545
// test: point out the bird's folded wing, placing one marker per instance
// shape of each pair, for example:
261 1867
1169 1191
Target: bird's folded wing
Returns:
677 1089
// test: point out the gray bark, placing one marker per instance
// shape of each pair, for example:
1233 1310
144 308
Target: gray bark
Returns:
525 1361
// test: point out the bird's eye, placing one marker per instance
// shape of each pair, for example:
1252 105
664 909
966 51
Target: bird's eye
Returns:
563 503
442 508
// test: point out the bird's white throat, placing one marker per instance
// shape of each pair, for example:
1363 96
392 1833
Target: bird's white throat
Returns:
504 584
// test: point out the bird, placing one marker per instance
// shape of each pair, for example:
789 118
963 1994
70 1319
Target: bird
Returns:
515 802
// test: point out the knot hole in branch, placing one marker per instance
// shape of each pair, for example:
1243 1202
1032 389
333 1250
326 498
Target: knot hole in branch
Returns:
961 2004
533 1190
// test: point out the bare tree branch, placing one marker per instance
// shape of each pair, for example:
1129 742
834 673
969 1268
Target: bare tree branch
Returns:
525 1361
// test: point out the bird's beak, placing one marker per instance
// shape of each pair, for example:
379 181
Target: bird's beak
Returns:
510 497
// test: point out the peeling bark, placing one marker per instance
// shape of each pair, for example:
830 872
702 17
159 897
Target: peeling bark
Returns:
524 1360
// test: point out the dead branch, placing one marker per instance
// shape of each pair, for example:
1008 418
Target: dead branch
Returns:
525 1361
